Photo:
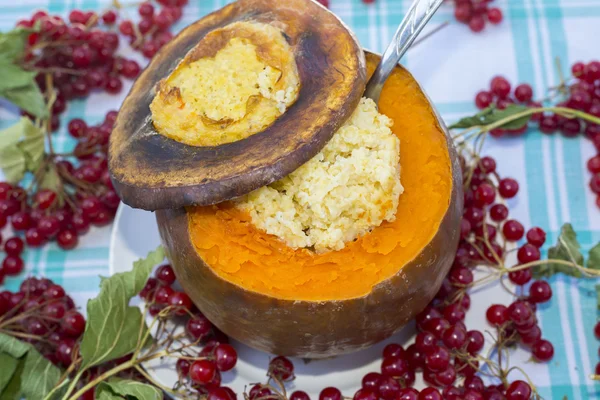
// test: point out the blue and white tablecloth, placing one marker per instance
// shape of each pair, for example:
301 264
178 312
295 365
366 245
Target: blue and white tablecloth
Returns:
452 66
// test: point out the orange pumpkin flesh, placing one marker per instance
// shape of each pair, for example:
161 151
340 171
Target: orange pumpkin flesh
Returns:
295 302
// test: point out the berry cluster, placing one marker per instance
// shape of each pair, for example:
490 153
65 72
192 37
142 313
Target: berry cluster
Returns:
582 94
42 314
500 95
78 56
151 32
475 13
200 370
86 197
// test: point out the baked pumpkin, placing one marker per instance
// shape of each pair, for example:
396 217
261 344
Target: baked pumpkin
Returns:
237 100
301 302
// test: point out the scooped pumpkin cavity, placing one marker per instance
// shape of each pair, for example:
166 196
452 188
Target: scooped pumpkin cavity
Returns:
238 251
237 81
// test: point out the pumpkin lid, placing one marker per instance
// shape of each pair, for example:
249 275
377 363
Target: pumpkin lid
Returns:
169 149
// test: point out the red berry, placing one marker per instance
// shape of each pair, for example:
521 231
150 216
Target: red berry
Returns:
67 239
571 128
455 337
48 226
131 69
500 87
508 188
548 125
330 393
523 93
126 28
498 212
592 71
389 388
463 12
425 342
12 265
183 367
483 99
14 246
149 49
520 312
475 341
485 195
494 15
113 85
20 221
528 253
181 303
461 276
146 9
513 230
225 357
542 351
578 69
299 395
477 23
162 294
202 371
580 100
430 393
365 394
536 236
109 17
597 330
371 381
73 324
165 275
595 183
518 390
454 313
438 359
45 198
282 368
520 277
393 350
497 314
475 215
540 292
487 164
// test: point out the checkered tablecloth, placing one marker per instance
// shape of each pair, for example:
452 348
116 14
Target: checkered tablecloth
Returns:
452 65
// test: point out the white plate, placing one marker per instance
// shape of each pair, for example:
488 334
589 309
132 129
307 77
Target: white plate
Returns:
135 234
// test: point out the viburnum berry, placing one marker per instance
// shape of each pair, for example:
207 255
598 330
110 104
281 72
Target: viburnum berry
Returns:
371 381
282 368
330 393
498 212
497 314
536 236
477 23
540 292
494 15
430 393
500 87
73 324
393 350
455 337
181 303
165 275
225 357
508 188
543 350
14 246
202 371
475 341
520 277
528 253
513 230
523 93
483 99
300 395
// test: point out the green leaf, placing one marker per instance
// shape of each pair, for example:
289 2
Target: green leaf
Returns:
21 149
13 164
38 376
567 248
29 98
51 180
9 365
598 296
12 391
128 388
12 43
593 261
16 77
13 347
491 115
113 327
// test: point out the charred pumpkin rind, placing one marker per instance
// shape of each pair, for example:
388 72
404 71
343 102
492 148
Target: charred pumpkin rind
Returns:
150 171
317 329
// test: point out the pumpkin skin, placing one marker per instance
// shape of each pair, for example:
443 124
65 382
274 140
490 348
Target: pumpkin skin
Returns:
151 171
317 329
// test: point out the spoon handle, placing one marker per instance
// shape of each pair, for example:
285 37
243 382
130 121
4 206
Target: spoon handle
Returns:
414 21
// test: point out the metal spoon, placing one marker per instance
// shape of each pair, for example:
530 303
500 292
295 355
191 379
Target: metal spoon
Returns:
414 21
